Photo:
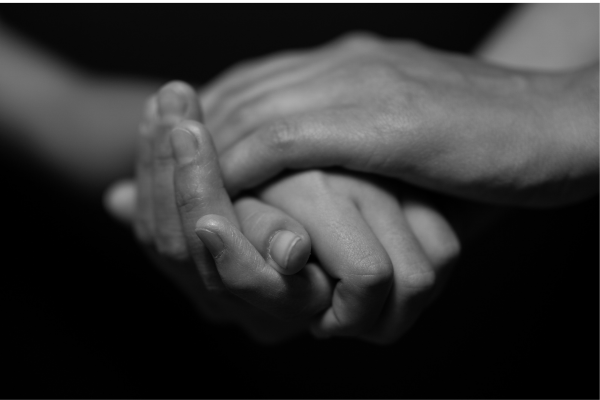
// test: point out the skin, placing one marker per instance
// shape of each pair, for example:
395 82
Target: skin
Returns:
158 224
86 156
444 122
499 51
378 257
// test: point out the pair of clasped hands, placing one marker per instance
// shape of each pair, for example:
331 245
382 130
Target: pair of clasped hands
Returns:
375 252
230 204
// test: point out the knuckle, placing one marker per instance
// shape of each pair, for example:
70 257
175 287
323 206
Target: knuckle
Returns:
188 202
195 198
376 272
360 39
375 72
280 136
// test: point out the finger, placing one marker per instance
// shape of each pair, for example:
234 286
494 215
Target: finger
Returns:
436 236
414 276
242 74
332 138
277 104
298 75
144 214
257 77
120 199
246 273
198 191
175 101
282 241
346 247
201 198
244 120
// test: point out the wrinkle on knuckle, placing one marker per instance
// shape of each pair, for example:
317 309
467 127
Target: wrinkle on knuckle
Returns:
280 136
376 272
190 202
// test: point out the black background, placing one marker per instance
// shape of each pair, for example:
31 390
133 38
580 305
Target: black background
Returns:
83 314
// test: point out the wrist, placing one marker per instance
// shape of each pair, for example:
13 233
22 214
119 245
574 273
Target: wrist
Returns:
571 120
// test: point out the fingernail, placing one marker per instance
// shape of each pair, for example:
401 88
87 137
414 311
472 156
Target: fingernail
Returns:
184 145
211 240
171 104
282 246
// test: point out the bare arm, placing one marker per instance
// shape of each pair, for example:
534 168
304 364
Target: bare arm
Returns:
81 125
545 36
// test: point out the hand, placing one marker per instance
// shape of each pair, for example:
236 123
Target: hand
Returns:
260 265
365 242
387 249
445 122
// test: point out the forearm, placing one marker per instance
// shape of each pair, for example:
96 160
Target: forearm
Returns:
561 38
81 125
576 127
545 36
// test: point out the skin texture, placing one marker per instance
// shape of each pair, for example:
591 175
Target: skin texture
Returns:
444 122
377 258
165 220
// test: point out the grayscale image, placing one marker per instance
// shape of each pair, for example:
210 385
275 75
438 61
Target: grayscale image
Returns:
300 200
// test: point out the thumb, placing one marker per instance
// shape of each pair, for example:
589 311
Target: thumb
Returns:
245 273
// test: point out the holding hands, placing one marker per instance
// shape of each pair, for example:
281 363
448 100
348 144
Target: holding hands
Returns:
376 252
445 122
380 252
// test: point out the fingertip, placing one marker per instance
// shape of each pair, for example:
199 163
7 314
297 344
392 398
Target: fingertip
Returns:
180 87
177 100
120 199
289 251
